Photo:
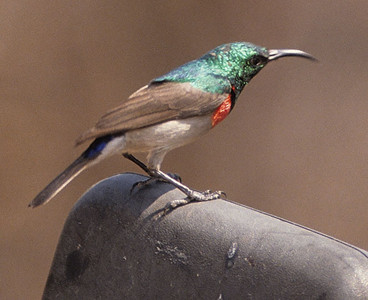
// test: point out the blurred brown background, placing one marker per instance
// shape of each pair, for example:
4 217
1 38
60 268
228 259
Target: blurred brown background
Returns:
296 144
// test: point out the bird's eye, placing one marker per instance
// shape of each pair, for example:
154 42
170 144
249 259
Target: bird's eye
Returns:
256 61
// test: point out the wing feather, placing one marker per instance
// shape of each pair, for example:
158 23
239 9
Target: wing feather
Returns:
152 104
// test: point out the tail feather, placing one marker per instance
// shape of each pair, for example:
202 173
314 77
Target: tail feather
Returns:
60 181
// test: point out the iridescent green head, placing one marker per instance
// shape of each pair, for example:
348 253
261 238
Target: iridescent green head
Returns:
238 62
229 66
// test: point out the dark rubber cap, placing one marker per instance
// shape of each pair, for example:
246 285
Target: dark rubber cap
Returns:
117 244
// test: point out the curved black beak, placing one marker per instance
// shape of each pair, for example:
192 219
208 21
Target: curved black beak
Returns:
274 54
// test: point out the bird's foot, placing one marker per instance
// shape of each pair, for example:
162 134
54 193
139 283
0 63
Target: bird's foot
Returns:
192 195
139 184
206 195
195 196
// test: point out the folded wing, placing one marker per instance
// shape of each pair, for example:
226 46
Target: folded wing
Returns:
152 104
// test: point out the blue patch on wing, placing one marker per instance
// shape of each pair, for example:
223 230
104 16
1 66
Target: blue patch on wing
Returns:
97 146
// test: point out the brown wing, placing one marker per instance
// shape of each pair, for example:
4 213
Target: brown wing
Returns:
152 104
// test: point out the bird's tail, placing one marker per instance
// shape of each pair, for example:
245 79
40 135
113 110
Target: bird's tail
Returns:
61 181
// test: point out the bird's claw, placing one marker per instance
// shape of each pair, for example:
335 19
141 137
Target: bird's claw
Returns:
207 195
140 184
195 196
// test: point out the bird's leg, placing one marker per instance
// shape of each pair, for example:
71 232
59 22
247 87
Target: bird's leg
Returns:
192 195
148 170
152 175
138 163
143 167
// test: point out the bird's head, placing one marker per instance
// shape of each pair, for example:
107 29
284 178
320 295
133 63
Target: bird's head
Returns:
241 61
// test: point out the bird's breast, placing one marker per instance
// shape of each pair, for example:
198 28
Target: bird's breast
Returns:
167 135
222 111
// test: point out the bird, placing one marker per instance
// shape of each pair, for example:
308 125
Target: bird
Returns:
171 111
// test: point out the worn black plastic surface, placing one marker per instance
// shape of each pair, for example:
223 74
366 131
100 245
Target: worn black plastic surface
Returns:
116 245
